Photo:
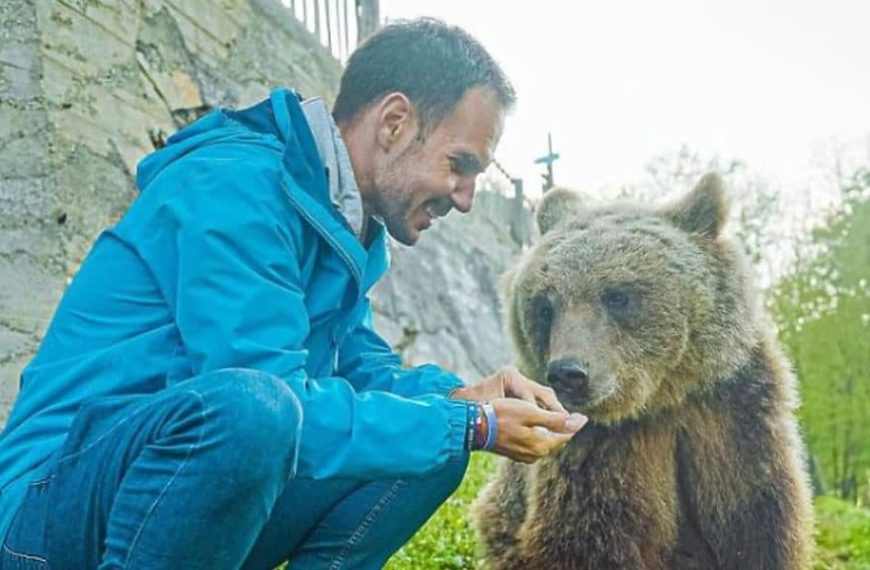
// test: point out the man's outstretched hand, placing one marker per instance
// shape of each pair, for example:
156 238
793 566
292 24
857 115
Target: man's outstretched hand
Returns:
532 423
509 383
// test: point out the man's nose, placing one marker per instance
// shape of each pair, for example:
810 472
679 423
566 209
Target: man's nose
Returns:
463 196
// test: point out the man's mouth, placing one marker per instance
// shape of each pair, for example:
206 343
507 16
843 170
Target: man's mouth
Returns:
430 211
435 210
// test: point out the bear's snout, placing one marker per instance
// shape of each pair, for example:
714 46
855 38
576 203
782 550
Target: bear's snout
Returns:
569 376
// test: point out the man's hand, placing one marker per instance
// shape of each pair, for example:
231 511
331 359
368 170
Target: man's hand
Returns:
527 433
509 383
532 423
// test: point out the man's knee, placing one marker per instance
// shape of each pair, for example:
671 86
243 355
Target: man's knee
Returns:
447 479
254 411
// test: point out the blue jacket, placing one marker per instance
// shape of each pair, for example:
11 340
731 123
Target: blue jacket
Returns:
234 256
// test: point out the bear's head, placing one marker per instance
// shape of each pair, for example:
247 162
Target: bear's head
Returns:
624 309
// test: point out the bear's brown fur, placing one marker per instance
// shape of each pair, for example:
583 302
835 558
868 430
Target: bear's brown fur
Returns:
645 320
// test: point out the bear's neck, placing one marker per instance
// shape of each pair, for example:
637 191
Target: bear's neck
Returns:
748 369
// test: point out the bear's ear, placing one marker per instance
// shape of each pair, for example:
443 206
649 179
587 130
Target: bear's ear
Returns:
558 205
702 211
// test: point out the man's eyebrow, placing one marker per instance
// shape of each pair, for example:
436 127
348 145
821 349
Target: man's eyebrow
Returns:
468 162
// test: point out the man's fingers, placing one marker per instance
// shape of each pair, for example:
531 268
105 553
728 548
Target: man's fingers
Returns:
518 386
542 442
547 398
555 438
556 421
527 432
525 393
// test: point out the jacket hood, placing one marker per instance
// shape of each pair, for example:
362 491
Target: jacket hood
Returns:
275 122
279 125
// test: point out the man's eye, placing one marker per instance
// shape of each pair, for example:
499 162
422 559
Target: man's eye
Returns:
462 166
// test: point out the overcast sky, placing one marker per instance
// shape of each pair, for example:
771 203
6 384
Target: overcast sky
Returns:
620 81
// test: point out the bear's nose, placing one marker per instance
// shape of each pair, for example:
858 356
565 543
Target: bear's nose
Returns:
567 372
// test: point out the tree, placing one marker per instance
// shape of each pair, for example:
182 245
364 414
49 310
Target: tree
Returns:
822 310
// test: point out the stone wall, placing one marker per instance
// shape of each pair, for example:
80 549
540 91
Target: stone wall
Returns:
440 301
88 86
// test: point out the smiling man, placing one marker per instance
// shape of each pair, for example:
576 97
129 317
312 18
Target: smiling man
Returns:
421 176
211 393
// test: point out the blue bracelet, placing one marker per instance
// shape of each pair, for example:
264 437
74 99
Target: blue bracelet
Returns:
491 427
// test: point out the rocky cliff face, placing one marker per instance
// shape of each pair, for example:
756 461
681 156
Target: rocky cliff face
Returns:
439 302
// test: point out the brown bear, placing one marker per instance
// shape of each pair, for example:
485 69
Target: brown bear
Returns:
645 320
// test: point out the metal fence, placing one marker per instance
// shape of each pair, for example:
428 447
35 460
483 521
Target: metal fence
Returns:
340 25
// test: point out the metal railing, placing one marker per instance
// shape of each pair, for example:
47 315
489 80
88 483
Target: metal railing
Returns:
340 25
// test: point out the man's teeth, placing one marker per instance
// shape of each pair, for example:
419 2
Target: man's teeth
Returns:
430 209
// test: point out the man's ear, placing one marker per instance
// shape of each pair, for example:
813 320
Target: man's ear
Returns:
704 210
558 205
397 120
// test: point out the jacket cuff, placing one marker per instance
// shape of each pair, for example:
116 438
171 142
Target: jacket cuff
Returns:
440 381
458 430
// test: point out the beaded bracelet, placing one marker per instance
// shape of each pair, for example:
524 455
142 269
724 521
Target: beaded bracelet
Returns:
473 418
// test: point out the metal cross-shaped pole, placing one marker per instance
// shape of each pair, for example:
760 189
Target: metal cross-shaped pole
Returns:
549 159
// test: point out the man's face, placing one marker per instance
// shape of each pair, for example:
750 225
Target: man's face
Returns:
426 179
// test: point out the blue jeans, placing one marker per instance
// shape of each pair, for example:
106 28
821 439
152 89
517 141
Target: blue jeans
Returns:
200 475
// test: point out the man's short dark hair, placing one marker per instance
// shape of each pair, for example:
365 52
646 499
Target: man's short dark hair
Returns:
432 63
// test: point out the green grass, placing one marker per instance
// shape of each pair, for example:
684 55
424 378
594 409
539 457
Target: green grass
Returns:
447 541
842 536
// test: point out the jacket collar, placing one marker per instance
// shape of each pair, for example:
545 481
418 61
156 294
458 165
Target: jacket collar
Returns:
307 186
343 190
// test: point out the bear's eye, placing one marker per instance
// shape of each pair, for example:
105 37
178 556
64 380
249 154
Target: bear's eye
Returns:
624 303
543 310
615 300
539 317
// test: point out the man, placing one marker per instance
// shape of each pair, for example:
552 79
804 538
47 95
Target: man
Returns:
210 393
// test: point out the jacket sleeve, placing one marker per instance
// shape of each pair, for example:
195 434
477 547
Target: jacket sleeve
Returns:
368 362
221 246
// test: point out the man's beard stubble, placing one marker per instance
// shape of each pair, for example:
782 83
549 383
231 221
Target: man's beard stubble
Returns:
392 199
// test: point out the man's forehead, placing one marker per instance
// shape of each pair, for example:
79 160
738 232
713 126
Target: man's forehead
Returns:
475 125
